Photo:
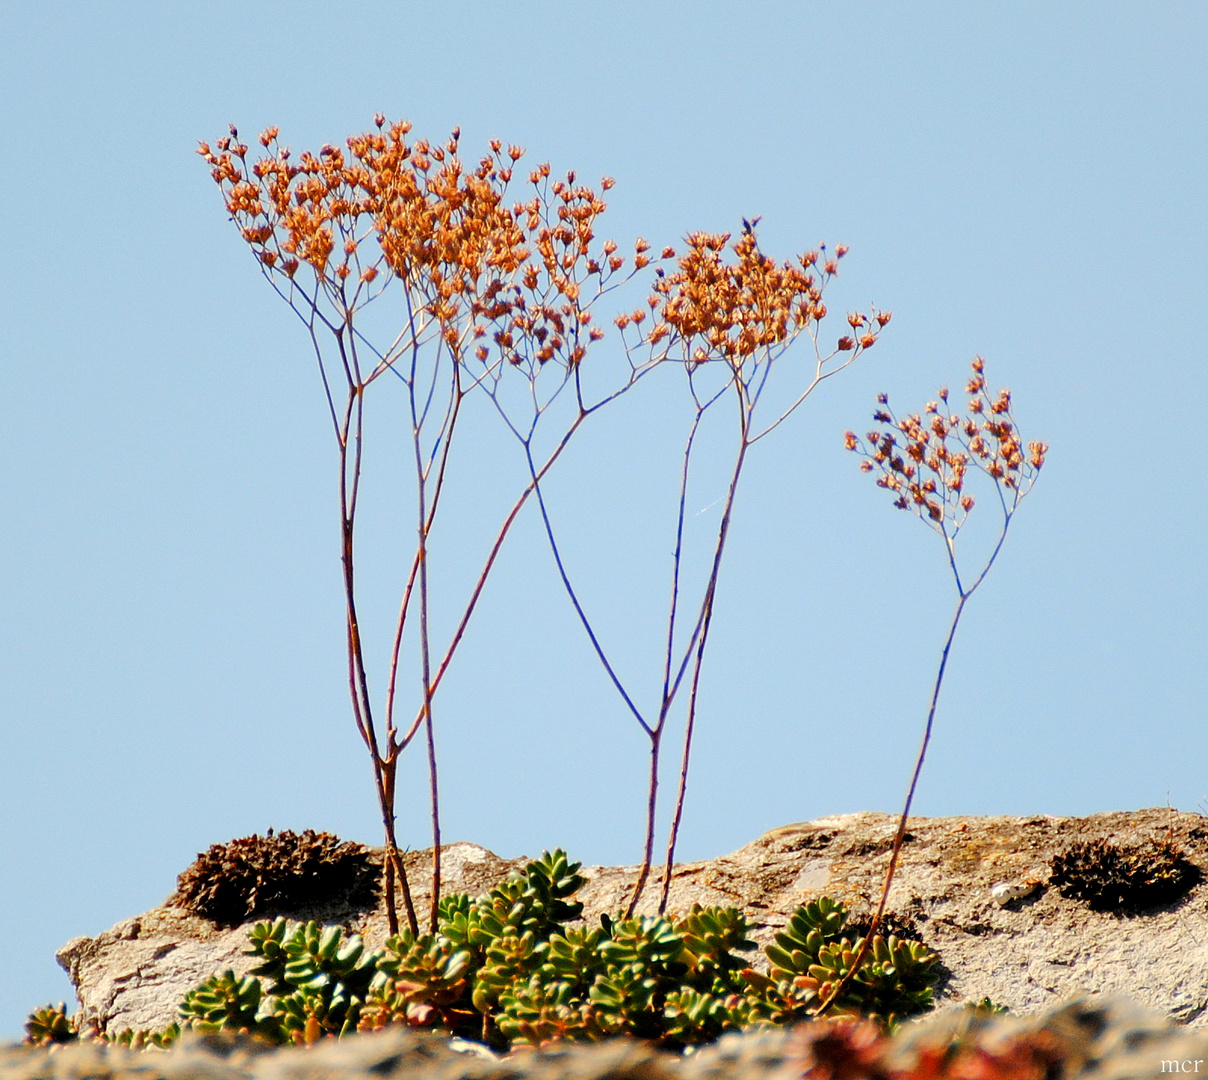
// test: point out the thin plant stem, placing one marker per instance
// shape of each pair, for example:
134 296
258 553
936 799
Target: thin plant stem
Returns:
396 648
425 673
696 643
678 815
446 441
574 599
397 859
480 583
723 533
963 595
383 768
900 835
677 555
656 739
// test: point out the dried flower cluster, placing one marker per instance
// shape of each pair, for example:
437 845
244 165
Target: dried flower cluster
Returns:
519 278
732 311
924 458
519 273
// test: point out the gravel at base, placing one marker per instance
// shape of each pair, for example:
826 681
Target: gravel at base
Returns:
1109 1039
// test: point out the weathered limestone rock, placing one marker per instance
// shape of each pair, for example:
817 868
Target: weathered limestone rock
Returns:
1033 952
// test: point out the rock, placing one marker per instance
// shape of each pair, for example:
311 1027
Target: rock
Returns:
1006 891
136 973
1107 1039
1028 953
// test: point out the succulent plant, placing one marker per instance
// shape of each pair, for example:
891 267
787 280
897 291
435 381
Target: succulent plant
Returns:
268 942
424 982
695 1017
233 882
711 937
809 928
789 987
811 955
317 957
543 1010
310 1013
893 981
533 900
574 956
224 1002
1123 878
145 1038
510 958
987 1007
50 1024
506 968
674 981
453 918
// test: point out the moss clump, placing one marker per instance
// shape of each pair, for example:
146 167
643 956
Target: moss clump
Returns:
233 882
1121 878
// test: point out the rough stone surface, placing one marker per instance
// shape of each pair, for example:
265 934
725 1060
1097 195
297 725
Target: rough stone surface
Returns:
1034 952
1104 1039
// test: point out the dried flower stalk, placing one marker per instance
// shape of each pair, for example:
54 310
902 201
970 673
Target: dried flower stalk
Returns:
726 323
927 461
491 291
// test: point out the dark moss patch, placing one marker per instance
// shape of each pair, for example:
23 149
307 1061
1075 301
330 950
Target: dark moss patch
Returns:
1125 879
233 882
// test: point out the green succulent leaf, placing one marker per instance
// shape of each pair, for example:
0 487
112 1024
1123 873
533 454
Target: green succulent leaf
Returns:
543 1010
50 1024
267 941
223 1002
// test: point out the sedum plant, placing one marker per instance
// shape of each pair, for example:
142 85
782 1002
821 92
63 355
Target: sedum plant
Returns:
223 1001
51 1026
518 967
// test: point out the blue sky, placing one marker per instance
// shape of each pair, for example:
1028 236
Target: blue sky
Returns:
1022 181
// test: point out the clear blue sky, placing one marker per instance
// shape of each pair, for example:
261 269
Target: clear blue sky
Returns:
1024 181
